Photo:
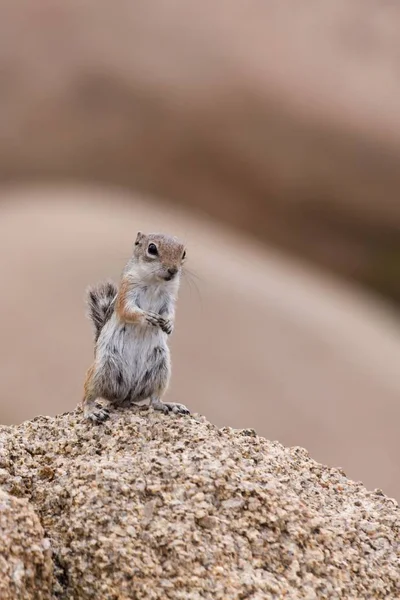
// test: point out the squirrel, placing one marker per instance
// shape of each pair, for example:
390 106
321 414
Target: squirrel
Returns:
131 326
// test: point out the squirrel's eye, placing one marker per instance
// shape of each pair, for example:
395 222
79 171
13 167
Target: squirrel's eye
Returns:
184 255
152 249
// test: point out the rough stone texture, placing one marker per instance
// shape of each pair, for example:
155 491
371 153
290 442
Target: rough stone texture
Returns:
148 506
25 560
280 117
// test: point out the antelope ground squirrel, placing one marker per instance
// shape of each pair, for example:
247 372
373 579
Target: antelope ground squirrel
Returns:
132 323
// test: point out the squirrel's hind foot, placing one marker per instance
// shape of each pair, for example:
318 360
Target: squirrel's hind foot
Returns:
97 413
168 407
178 409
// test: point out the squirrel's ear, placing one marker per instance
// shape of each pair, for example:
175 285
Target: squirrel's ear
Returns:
138 237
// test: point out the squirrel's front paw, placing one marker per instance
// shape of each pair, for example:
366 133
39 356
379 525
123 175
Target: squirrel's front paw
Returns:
158 321
154 319
167 326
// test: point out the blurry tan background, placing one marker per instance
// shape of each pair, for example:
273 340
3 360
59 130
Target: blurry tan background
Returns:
262 129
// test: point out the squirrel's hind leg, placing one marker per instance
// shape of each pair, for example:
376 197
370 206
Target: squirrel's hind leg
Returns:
93 410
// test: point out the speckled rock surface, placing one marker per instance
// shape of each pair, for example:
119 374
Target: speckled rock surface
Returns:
25 558
149 506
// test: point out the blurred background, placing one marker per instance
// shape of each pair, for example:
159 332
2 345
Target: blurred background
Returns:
267 136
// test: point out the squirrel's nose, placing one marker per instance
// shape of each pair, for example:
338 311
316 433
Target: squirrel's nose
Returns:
172 271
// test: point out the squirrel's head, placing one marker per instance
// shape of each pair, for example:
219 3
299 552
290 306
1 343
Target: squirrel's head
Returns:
160 257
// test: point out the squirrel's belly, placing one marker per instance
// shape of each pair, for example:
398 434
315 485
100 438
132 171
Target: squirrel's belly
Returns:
133 363
147 359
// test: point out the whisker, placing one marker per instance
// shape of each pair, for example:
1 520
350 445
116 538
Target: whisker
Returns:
187 277
192 274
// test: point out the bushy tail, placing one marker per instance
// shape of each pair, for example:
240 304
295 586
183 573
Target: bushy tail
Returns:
100 300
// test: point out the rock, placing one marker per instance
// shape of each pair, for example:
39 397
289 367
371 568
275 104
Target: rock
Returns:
149 506
25 558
